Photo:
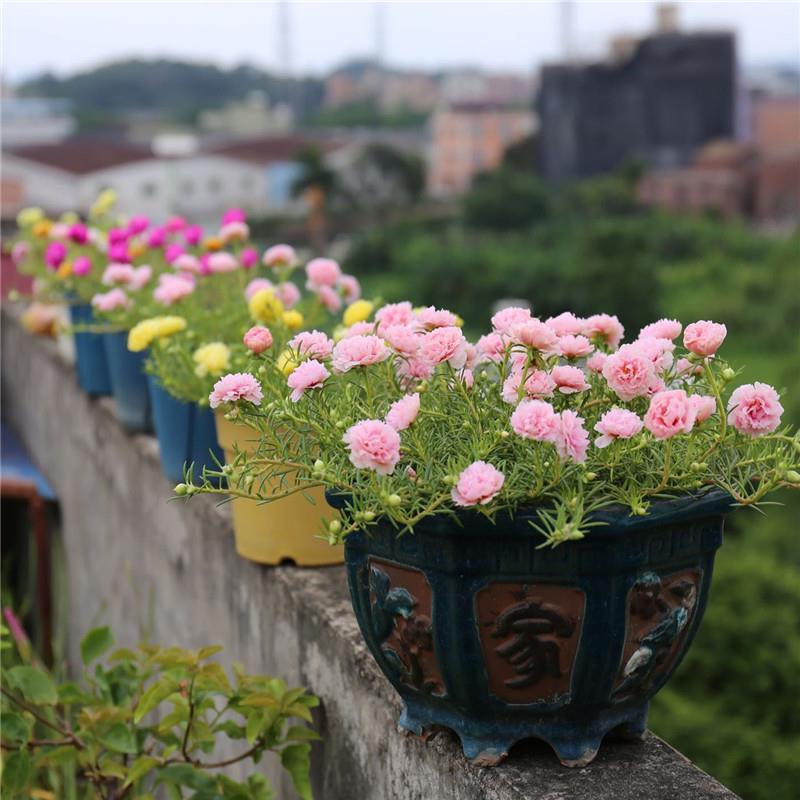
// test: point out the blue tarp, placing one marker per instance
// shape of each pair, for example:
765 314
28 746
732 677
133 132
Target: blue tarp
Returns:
15 464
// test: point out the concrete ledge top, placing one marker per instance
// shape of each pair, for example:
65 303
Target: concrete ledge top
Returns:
168 571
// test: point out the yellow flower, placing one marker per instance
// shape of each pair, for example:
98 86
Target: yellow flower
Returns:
339 332
293 320
264 306
29 216
213 243
212 359
42 228
106 200
357 312
65 270
287 363
136 249
69 218
459 322
141 336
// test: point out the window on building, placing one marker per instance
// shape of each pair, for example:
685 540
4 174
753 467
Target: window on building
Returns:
149 189
187 187
247 182
214 184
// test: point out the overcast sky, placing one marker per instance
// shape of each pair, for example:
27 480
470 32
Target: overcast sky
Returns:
69 36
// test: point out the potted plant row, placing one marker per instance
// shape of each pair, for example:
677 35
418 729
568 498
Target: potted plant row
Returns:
529 522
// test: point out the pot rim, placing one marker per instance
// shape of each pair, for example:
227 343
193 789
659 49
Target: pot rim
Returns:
613 520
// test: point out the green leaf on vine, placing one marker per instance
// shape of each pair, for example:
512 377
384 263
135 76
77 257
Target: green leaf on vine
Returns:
96 642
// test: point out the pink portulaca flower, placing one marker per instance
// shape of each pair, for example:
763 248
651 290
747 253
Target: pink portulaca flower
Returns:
55 254
350 288
596 361
360 329
157 237
403 412
140 277
119 253
704 337
629 372
569 380
618 423
172 288
467 377
431 318
279 255
413 369
248 258
256 285
288 294
571 438
234 231
81 266
234 215
658 350
373 445
19 252
538 384
118 236
394 314
704 406
222 262
662 329
755 409
137 225
312 344
175 224
322 272
444 345
571 346
504 321
535 419
605 327
172 252
330 298
309 375
117 274
258 339
478 484
670 413
537 335
358 351
111 300
490 347
234 387
186 263
566 324
78 233
403 339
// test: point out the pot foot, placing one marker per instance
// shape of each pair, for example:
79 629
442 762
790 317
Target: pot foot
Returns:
634 729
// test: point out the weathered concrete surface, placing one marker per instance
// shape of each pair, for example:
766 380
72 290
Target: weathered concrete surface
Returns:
168 571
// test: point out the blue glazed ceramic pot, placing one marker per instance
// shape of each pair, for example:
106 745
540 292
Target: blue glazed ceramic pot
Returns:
186 433
90 354
129 383
482 633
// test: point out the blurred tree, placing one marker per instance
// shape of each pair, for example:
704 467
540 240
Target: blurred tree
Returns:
505 199
316 183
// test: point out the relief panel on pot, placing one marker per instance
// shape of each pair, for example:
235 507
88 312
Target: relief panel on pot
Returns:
659 610
401 603
529 634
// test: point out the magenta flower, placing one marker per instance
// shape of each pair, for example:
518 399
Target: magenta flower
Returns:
157 237
234 215
172 252
192 234
478 484
137 225
248 257
78 233
55 254
373 445
81 266
175 224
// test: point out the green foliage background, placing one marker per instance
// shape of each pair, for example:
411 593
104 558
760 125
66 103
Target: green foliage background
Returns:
733 706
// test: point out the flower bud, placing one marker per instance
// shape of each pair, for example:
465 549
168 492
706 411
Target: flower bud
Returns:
394 500
319 465
728 374
181 489
793 476
590 476
369 516
334 527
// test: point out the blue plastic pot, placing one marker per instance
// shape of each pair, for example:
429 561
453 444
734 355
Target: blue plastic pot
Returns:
129 383
482 633
186 433
90 353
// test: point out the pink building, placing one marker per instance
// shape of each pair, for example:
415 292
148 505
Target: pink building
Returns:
469 138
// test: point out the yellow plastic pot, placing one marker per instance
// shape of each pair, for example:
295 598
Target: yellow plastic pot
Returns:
280 532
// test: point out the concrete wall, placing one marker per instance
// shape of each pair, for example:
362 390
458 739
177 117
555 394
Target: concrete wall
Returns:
169 571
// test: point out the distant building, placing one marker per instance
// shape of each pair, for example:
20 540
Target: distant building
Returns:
468 138
250 117
759 180
255 175
35 120
657 99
